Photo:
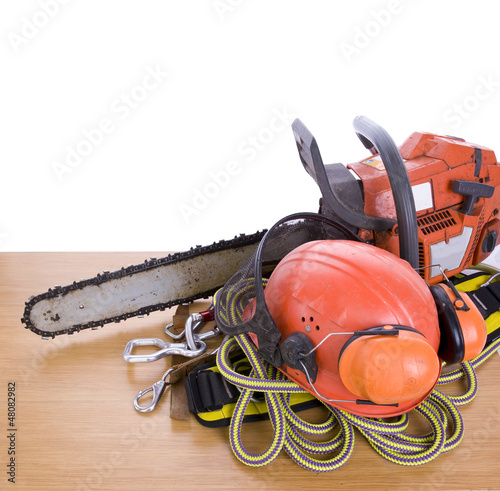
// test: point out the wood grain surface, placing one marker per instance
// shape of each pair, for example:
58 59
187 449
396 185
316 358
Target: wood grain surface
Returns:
76 428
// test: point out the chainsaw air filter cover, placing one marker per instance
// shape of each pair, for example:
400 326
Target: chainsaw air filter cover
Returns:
351 323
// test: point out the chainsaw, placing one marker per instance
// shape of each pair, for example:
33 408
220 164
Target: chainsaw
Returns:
433 201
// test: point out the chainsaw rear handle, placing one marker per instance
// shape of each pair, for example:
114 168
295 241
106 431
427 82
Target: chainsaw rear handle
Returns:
375 137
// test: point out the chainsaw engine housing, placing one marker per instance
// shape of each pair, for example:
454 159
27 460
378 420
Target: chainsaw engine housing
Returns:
455 186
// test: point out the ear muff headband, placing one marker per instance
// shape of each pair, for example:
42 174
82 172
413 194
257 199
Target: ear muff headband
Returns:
375 331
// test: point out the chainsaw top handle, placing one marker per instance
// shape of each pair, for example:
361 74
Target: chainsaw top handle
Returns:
377 140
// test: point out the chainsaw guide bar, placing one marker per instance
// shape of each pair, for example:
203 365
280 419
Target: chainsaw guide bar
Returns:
433 202
155 284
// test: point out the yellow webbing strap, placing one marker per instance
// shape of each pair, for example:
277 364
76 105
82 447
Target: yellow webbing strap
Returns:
470 283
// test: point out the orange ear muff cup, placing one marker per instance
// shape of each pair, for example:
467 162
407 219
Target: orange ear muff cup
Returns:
389 369
463 332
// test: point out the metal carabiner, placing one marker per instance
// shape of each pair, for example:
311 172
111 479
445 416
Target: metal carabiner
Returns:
158 388
167 349
192 347
193 323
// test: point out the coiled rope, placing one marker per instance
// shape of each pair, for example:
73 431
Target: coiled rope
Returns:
387 438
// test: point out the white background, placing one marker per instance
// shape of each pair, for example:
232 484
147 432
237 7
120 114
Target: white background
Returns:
224 68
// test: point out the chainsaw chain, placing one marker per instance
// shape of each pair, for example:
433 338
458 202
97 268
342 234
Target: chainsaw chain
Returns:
238 241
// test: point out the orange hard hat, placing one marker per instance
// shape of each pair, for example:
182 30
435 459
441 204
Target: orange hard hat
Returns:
334 292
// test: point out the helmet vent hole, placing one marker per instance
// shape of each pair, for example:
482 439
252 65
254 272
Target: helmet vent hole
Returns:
311 319
303 319
317 328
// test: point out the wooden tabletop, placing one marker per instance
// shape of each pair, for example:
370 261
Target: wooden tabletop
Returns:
75 426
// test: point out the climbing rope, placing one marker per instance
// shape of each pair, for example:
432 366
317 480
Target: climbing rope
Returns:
387 438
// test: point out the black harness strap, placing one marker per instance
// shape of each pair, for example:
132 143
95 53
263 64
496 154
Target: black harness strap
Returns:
487 299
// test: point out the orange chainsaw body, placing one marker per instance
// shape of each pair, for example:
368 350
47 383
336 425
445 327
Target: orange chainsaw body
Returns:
455 230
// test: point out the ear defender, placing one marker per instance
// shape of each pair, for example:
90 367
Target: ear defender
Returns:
389 369
462 327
